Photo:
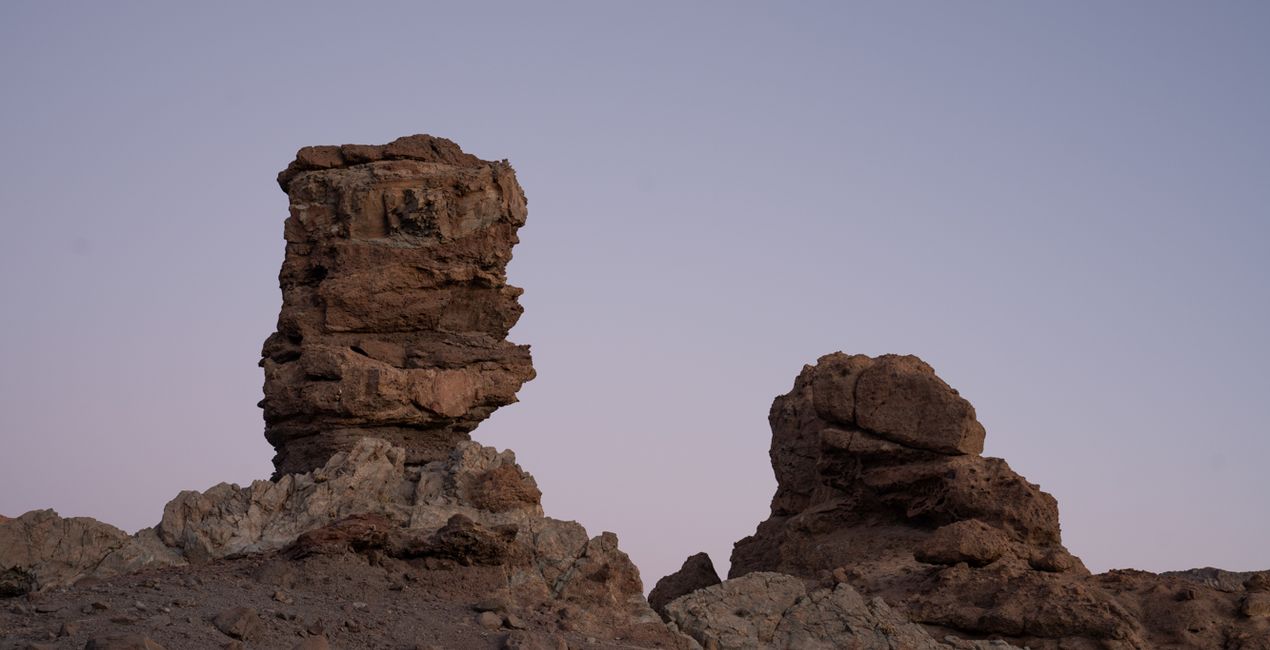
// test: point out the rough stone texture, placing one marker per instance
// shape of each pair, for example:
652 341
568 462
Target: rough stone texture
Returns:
696 573
122 642
365 499
772 610
880 483
395 302
40 549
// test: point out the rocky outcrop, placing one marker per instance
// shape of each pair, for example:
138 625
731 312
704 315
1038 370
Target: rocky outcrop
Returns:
772 610
39 550
395 301
880 484
365 498
696 573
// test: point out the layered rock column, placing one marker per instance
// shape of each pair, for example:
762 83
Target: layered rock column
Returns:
395 301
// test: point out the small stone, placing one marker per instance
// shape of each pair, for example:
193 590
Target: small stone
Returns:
490 605
69 628
159 620
352 626
233 645
123 642
360 606
46 608
514 622
316 628
489 620
241 623
140 606
312 643
282 597
100 605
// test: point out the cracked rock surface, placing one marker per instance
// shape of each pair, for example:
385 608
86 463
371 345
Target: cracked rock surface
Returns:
395 301
880 484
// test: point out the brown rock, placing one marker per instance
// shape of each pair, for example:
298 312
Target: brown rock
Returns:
696 573
489 620
122 642
396 305
312 643
504 488
242 623
970 541
880 485
901 399
1256 605
464 542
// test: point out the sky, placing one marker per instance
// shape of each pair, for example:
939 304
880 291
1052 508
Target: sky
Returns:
1063 207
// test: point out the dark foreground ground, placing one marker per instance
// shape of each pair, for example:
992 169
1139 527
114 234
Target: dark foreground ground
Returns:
269 601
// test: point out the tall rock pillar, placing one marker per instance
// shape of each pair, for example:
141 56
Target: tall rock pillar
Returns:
395 302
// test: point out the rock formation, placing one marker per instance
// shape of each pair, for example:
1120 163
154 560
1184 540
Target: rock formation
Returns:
881 486
888 529
395 302
696 573
390 348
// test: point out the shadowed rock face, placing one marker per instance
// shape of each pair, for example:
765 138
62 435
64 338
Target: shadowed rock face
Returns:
395 302
696 573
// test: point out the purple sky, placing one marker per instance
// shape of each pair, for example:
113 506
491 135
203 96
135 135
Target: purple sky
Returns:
1063 207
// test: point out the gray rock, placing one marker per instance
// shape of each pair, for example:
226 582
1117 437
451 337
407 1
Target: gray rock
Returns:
241 623
773 610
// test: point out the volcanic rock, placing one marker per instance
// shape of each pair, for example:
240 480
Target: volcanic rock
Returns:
696 573
122 642
395 301
771 610
880 484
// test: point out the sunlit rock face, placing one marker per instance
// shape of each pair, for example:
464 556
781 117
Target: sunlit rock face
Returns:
395 301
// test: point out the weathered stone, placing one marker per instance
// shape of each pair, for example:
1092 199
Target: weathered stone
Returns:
489 620
39 550
696 573
970 541
241 623
1256 605
312 643
880 485
772 610
396 305
122 642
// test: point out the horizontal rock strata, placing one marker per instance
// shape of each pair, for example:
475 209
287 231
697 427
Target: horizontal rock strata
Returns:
395 301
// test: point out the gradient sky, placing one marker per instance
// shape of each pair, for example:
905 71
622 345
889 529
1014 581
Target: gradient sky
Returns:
1063 207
